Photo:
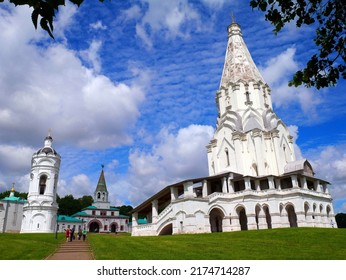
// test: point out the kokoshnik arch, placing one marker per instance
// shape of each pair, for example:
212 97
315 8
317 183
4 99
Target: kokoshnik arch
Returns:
255 180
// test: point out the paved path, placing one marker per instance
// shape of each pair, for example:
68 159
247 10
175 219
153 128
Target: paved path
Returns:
75 250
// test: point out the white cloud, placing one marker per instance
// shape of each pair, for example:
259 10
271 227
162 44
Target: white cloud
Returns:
91 55
134 12
50 88
214 4
98 25
175 156
171 18
329 163
277 72
79 186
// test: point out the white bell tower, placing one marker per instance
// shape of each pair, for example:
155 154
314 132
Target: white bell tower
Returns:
40 211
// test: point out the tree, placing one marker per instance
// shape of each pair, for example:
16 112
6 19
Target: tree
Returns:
68 205
16 194
327 65
45 10
341 220
85 201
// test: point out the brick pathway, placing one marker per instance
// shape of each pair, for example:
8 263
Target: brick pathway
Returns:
75 250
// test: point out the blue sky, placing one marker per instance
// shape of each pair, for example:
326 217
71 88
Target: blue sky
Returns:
131 85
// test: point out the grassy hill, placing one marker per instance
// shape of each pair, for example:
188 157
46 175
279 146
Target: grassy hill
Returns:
273 244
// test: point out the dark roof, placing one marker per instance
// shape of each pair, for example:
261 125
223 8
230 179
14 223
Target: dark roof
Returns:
101 185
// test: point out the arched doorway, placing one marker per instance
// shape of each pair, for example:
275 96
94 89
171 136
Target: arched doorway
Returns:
215 219
268 217
94 227
167 230
114 227
292 217
242 218
257 210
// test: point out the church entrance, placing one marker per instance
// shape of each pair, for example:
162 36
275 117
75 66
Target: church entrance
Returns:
268 217
242 218
114 227
94 227
292 217
215 219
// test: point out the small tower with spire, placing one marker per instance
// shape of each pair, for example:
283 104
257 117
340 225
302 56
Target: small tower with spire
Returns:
101 193
40 211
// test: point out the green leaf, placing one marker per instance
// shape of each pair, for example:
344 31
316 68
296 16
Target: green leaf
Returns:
44 25
77 2
34 17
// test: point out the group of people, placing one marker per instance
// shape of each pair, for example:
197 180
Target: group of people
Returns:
70 234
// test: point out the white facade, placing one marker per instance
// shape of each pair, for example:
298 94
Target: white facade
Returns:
255 180
40 211
11 213
100 216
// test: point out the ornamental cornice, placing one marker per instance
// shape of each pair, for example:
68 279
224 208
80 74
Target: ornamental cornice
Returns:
237 135
275 133
256 133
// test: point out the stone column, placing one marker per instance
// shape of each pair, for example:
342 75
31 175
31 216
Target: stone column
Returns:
278 185
224 185
294 181
303 183
262 222
271 183
205 188
258 185
188 189
247 182
134 223
230 185
174 193
251 221
154 211
317 186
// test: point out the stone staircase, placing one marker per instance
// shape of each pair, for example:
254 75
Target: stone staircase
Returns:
75 250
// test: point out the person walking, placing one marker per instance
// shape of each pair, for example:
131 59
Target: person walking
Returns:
80 233
67 234
84 234
72 235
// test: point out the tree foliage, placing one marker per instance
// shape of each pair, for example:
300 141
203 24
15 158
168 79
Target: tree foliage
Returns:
68 205
328 65
16 194
341 220
45 10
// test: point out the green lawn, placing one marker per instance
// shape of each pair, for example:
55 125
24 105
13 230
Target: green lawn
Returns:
28 246
273 244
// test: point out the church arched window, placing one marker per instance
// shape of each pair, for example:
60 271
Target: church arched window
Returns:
98 195
227 157
42 184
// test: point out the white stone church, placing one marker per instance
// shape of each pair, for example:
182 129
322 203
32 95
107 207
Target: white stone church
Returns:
255 180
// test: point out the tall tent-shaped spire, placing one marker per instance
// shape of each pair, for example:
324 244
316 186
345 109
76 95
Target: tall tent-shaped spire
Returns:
239 64
250 139
101 192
